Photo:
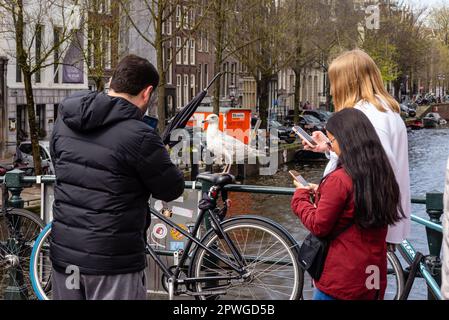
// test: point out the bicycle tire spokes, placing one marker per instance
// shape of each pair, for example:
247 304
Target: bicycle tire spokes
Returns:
270 265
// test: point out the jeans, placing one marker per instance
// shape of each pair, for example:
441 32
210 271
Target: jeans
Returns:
319 295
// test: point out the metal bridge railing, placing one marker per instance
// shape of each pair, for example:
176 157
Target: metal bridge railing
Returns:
16 181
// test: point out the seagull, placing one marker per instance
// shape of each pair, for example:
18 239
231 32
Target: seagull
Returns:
225 146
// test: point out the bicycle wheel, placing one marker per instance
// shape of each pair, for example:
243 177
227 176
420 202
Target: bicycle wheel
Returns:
40 265
18 231
395 277
271 258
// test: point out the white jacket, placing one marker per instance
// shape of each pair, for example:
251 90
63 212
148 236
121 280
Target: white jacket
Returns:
393 134
445 271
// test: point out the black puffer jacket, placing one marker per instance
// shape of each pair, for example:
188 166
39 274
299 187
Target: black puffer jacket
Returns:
107 162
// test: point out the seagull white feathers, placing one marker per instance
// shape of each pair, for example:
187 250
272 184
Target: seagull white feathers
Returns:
225 146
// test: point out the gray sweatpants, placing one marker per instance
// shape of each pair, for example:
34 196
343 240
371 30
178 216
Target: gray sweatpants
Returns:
129 286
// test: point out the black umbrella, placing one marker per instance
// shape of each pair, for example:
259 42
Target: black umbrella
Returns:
180 120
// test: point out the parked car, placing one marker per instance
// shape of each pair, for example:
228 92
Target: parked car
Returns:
285 133
321 115
310 123
24 156
432 120
408 111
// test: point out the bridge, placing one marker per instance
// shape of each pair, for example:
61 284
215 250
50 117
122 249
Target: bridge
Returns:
16 182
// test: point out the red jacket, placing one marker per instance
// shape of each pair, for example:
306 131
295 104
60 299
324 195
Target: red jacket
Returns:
346 269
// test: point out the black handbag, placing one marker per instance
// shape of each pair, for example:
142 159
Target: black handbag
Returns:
313 253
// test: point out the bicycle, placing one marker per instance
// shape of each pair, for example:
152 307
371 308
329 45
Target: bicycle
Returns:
19 229
244 257
400 281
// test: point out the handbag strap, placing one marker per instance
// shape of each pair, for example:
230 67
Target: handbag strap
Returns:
335 236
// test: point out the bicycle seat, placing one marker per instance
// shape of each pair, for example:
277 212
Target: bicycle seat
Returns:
217 179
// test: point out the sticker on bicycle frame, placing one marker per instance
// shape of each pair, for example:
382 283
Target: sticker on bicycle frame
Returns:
159 231
182 212
175 234
158 205
176 245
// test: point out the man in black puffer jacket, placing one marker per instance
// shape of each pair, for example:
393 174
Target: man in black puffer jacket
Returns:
108 162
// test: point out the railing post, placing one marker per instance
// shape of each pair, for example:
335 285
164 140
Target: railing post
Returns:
16 289
434 208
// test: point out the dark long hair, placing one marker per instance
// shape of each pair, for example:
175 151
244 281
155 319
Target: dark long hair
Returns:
376 191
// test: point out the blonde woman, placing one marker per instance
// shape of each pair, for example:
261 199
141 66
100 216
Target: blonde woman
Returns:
356 82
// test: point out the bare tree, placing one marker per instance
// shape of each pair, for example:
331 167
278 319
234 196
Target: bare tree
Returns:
22 27
178 13
261 27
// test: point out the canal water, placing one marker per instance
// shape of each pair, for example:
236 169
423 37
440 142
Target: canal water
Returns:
428 154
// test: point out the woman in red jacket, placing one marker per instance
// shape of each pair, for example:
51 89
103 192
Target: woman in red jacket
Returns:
353 207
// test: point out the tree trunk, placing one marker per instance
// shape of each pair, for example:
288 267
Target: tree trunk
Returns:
219 25
161 112
22 61
34 135
99 84
262 90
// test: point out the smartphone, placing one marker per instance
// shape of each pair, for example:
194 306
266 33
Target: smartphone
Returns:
304 136
299 178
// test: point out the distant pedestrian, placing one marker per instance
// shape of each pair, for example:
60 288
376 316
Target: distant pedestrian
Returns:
445 272
108 163
356 82
353 207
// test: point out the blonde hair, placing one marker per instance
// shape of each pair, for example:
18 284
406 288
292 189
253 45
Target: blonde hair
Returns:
354 76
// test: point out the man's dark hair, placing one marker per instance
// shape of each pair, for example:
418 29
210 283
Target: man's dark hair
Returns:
133 74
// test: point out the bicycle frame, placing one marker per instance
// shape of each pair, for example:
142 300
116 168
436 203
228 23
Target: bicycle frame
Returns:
193 239
410 254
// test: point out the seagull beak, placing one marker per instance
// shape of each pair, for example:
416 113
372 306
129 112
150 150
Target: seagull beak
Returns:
204 121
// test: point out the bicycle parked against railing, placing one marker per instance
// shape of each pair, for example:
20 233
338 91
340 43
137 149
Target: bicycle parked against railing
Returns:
19 229
244 257
400 281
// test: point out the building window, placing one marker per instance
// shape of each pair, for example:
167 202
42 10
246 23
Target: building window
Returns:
18 73
167 26
55 111
233 74
200 76
107 48
186 18
178 91
170 104
40 117
192 86
191 20
186 89
185 53
206 43
206 75
169 72
178 51
38 49
192 52
104 6
21 121
178 16
200 42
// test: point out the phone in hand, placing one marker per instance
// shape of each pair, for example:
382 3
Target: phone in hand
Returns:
299 178
304 136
